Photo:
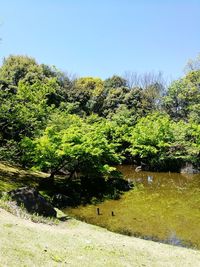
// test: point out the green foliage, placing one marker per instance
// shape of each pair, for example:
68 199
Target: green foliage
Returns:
51 121
86 92
183 98
26 111
90 85
158 141
73 145
115 82
16 68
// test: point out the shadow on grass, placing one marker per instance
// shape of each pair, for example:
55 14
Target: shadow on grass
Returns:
82 190
12 177
64 218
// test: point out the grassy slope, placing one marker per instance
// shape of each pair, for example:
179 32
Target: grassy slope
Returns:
73 243
12 177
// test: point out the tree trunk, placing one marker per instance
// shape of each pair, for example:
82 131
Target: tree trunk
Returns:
52 175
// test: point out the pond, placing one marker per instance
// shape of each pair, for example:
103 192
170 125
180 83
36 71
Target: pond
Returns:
164 207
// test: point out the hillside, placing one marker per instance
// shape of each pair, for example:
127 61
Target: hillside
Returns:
73 243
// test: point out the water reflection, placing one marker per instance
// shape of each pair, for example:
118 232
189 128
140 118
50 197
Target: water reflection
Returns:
159 179
163 207
174 240
149 179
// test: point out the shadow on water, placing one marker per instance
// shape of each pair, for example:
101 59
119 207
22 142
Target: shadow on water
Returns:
163 207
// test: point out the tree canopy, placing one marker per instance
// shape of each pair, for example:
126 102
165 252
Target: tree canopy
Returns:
51 120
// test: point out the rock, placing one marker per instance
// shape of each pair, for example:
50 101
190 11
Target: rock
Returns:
120 184
33 201
189 168
61 201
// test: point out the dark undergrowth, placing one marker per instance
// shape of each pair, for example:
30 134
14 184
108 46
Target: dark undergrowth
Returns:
82 190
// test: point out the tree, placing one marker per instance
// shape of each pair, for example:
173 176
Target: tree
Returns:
152 84
86 91
16 68
22 114
113 100
115 82
26 69
163 144
143 80
182 100
65 82
193 64
74 145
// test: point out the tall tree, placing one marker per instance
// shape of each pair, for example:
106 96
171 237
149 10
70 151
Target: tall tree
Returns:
182 100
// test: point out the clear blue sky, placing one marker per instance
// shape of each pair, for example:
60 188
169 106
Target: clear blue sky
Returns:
103 37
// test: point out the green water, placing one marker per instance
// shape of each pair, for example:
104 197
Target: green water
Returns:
162 206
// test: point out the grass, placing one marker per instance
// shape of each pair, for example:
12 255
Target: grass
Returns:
73 243
12 207
12 177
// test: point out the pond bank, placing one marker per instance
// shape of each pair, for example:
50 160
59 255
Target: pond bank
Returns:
75 243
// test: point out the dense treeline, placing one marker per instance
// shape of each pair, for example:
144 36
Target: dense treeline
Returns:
85 126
